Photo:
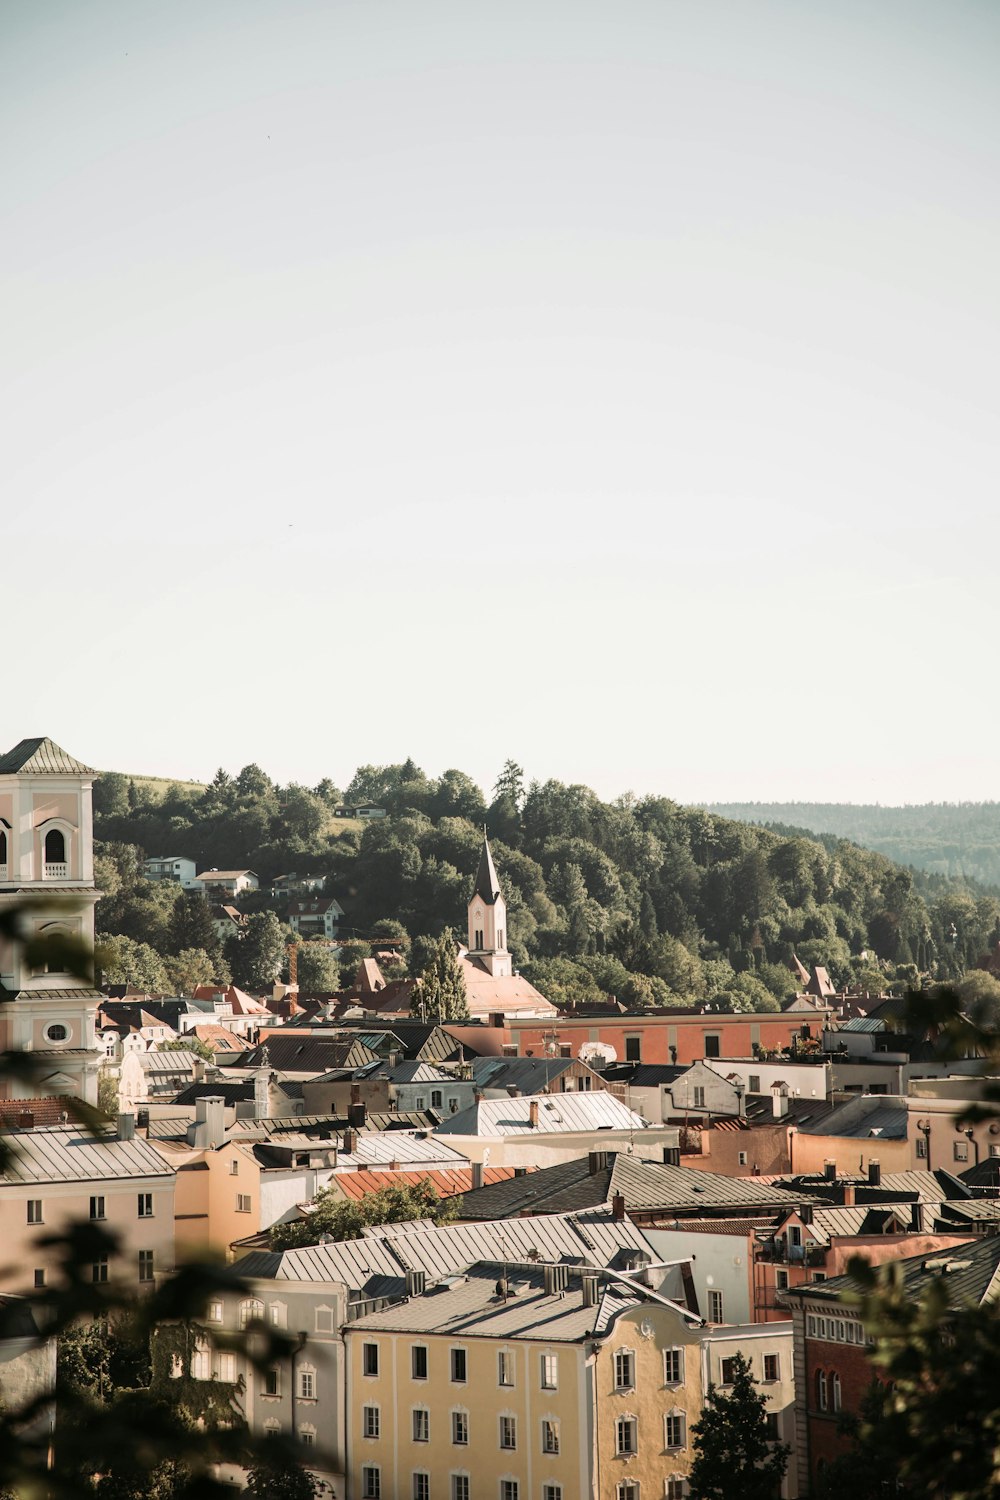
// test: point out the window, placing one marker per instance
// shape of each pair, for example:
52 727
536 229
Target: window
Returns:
307 1436
436 1099
56 1032
99 1270
633 1049
145 1265
673 1366
552 1492
728 1371
921 1144
460 1487
821 1397
712 1044
771 1367
40 1276
699 1097
55 847
371 1424
624 1369
421 1425
418 1362
251 1311
307 1385
961 1150
508 1432
369 1359
781 1281
626 1435
550 1372
371 1482
420 1102
716 1307
277 1312
835 1392
550 1436
771 1431
460 1428
753 1083
673 1430
272 1381
795 1236
459 1366
227 1366
508 1489
234 1168
505 1367
674 1488
743 1158
35 1211
242 1203
97 1208
627 1489
145 1205
421 1486
324 1320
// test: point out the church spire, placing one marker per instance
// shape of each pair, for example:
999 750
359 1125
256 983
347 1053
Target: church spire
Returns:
487 883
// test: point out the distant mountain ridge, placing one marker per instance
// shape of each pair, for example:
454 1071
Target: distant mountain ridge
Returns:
957 839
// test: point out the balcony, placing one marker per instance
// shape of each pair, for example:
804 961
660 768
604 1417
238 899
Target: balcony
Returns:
55 872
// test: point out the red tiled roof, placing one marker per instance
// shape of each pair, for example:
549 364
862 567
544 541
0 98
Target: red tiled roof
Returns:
446 1180
13 1112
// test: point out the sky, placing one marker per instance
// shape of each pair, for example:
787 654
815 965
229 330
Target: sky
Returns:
610 386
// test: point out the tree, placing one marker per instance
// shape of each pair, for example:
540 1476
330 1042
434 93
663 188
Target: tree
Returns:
510 784
280 1481
256 958
107 1093
191 924
442 994
192 967
732 1453
124 961
318 971
351 955
188 1043
337 1218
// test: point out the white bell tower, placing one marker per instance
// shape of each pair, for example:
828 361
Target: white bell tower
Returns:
47 865
488 919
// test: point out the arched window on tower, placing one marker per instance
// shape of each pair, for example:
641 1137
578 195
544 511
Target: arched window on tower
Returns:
55 849
479 939
3 849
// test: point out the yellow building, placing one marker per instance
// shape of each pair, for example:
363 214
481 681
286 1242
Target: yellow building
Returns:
533 1382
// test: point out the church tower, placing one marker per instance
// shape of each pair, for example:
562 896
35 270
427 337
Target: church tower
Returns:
488 919
47 866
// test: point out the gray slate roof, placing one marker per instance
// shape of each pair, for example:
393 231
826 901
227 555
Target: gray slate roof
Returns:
970 1274
66 1153
42 757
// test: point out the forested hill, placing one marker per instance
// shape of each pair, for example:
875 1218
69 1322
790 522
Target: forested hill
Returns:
641 898
958 839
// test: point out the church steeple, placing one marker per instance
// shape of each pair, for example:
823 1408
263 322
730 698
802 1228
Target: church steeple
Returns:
488 918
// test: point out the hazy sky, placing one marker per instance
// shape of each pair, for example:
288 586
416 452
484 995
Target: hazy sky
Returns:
611 386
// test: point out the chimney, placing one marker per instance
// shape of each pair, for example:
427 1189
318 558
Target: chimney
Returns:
618 1206
357 1114
26 1121
918 1221
350 1141
596 1162
261 1094
533 1114
874 1173
209 1127
394 1165
416 1283
126 1127
496 1019
520 1171
477 1175
850 1195
779 1101
830 1171
556 1280
806 1213
355 1093
589 1285
513 1091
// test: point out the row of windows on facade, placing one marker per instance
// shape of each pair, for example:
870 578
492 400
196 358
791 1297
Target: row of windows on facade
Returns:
959 1149
54 847
460 1487
836 1330
626 1429
35 1208
99 1270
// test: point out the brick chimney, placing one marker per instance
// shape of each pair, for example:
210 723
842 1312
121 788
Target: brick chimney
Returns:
533 1114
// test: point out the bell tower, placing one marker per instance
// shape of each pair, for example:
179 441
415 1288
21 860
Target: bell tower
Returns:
47 868
488 919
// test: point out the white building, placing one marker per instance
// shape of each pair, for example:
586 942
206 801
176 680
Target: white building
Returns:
172 867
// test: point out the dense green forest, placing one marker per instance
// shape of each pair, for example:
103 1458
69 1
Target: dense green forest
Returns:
655 903
959 839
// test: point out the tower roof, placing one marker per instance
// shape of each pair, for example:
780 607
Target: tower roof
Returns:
42 757
487 883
